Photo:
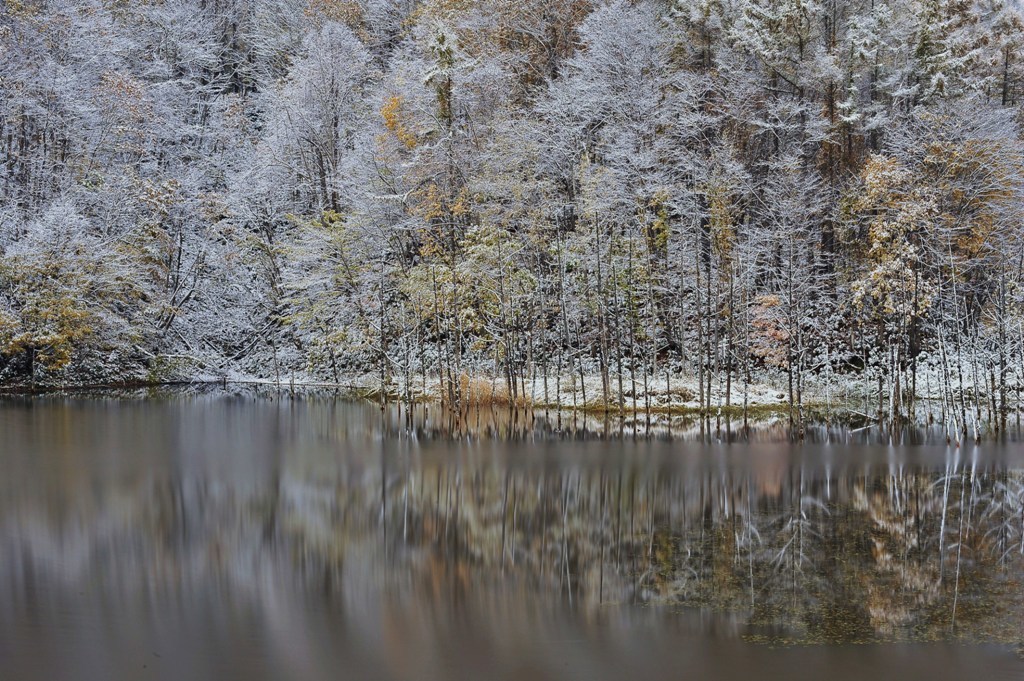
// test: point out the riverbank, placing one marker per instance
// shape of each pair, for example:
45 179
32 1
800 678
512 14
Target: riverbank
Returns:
676 396
671 409
659 400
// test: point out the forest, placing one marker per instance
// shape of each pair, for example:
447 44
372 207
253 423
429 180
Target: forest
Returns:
621 205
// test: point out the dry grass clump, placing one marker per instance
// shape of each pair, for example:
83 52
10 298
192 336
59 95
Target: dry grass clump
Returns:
478 391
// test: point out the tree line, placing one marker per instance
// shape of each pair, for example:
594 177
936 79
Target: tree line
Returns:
580 202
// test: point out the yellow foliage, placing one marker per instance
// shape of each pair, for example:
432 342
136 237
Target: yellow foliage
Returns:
659 230
19 9
123 7
8 327
898 213
346 12
461 205
720 222
974 243
124 96
159 197
392 114
882 179
52 324
440 10
431 203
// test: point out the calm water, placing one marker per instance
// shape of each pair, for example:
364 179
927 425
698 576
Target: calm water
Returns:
241 537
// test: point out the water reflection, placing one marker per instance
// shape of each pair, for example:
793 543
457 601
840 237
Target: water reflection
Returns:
235 536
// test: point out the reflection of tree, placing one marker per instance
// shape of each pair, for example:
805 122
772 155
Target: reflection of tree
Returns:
796 530
906 577
879 555
1004 514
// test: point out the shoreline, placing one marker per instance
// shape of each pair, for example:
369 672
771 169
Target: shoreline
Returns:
762 400
677 398
763 406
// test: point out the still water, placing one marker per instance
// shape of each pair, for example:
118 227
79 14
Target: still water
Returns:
241 536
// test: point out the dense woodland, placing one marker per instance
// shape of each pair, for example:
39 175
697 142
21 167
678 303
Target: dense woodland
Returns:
815 194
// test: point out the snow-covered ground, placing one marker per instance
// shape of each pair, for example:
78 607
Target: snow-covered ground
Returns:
677 395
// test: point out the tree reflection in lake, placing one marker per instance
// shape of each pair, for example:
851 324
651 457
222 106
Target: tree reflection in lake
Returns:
259 538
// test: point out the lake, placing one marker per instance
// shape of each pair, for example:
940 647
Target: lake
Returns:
256 535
